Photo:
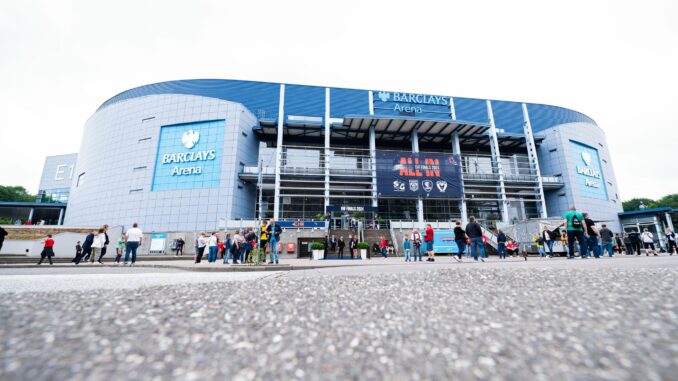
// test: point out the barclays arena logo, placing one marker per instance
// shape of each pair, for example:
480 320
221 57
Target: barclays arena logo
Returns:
586 157
190 138
384 96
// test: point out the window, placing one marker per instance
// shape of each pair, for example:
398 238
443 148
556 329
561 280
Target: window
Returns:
147 119
553 150
136 190
81 180
144 139
135 169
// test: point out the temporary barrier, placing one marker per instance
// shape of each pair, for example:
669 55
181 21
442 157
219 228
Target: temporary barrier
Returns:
291 247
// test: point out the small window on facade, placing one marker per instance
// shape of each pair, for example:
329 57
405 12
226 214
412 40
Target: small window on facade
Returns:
144 139
147 119
243 133
81 180
138 168
604 161
136 190
553 150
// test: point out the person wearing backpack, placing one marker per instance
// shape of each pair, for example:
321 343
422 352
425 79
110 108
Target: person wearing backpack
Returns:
574 222
460 240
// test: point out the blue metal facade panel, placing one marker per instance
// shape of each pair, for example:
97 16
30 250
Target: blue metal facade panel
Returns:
304 100
508 116
471 110
349 102
261 98
545 116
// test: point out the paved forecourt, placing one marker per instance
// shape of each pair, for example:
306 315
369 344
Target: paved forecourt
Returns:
610 319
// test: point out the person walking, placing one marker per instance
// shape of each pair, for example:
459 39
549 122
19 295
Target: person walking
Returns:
119 248
539 241
619 243
547 239
563 240
236 246
98 244
202 244
3 234
591 234
333 243
382 247
407 245
250 243
227 247
86 247
574 224
475 234
212 247
428 241
78 250
648 242
106 242
671 241
263 236
627 244
459 239
47 250
274 230
501 244
179 247
607 238
416 244
341 244
134 237
636 242
351 245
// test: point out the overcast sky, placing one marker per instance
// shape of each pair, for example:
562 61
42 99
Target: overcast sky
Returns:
615 61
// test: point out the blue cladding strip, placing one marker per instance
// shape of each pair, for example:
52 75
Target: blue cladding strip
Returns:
262 99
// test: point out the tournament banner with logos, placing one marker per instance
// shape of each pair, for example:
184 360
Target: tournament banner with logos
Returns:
432 175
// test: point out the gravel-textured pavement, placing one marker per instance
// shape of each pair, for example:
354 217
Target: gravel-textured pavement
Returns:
467 322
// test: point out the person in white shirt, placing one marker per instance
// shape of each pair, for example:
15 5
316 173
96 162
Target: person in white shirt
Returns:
648 242
133 237
97 244
212 243
202 243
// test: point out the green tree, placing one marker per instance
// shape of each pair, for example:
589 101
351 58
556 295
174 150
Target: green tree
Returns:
670 200
634 204
15 193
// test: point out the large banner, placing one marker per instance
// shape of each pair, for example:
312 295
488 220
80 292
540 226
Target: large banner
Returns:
433 175
443 241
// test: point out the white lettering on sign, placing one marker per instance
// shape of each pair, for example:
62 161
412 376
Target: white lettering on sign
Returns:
59 175
590 172
592 183
188 157
176 171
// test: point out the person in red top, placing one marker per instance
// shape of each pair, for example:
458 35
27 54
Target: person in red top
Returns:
382 247
48 250
221 247
428 240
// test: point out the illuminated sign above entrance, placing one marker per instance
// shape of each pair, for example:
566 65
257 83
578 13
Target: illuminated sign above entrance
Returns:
425 106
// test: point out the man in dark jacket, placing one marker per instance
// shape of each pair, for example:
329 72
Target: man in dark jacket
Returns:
86 247
475 234
635 242
3 234
501 244
459 239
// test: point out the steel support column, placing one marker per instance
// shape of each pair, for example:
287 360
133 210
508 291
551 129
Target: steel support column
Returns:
373 159
61 217
496 156
278 152
456 149
420 201
534 160
326 160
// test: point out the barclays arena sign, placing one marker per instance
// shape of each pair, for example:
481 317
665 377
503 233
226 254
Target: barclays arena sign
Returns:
189 156
588 171
387 103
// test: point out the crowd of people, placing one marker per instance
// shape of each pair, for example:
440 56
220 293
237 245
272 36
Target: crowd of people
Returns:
248 244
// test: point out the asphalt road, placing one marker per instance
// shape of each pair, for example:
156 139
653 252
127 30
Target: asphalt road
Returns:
609 319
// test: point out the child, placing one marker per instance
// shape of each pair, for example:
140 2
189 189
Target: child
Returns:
119 248
78 250
406 246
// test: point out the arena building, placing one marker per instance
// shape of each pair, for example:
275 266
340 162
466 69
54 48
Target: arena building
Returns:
185 155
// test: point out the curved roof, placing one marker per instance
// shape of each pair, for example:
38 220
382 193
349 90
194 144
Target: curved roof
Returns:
262 99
